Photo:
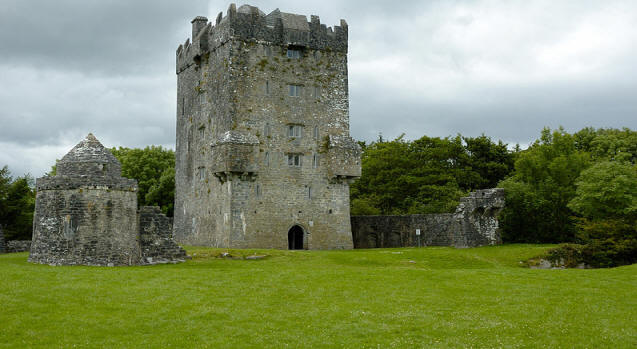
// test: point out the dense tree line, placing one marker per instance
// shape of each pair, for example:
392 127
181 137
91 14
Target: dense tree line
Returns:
17 200
426 175
579 188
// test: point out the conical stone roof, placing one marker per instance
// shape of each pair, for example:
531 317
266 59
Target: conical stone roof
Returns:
89 158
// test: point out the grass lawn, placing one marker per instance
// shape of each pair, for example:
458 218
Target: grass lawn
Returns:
404 298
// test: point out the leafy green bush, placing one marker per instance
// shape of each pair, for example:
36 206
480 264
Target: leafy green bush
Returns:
607 243
567 255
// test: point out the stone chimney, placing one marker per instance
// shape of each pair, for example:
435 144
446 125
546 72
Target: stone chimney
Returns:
197 24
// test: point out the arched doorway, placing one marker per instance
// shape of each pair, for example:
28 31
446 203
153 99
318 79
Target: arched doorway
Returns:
295 238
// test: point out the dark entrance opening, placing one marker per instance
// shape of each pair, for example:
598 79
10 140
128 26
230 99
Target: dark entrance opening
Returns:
295 238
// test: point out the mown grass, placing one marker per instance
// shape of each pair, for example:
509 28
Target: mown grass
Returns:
429 297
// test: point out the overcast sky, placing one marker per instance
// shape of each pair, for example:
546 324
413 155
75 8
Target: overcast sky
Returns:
503 68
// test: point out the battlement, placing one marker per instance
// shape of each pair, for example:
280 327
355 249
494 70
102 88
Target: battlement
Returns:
248 23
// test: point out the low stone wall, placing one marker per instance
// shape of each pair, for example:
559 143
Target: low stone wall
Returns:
155 237
474 223
400 231
13 246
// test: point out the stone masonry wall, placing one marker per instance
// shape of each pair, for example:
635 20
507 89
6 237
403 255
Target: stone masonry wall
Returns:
155 237
473 224
85 227
13 246
235 186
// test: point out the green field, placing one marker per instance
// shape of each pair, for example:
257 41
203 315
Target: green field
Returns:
404 298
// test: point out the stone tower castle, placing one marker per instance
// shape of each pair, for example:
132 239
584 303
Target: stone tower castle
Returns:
264 158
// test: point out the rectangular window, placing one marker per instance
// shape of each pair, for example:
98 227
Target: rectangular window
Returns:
266 159
257 190
267 87
309 192
295 54
201 131
295 131
294 90
315 161
315 134
317 92
202 173
294 160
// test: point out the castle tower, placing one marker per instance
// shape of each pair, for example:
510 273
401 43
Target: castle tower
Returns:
87 213
264 158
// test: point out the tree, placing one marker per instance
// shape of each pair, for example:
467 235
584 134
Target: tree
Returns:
17 201
162 193
542 185
606 205
490 161
608 144
154 169
607 190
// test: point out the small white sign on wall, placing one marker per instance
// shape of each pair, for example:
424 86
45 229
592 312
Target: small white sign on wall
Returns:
311 223
417 232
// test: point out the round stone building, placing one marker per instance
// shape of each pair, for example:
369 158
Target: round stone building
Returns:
87 213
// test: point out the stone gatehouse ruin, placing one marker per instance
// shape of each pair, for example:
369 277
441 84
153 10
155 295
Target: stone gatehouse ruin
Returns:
474 223
87 215
263 153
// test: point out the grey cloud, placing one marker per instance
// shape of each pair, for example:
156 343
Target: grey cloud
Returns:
433 68
108 37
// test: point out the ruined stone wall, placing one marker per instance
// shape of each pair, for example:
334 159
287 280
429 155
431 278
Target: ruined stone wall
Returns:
13 246
476 217
155 238
474 223
234 185
400 231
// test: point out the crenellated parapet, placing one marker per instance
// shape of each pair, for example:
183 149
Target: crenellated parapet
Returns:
248 23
